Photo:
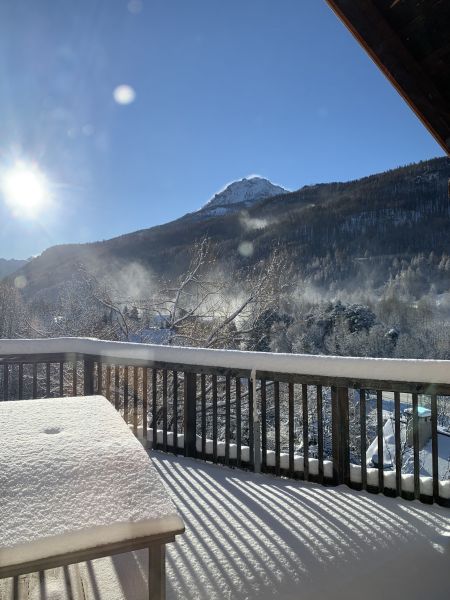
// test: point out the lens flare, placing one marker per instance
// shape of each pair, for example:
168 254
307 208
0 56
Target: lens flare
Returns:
124 94
245 249
25 190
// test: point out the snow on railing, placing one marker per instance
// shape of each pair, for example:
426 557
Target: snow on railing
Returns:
383 369
313 417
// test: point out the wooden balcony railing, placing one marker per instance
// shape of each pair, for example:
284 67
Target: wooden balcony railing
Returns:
299 416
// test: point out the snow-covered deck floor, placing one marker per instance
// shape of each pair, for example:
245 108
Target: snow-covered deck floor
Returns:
258 537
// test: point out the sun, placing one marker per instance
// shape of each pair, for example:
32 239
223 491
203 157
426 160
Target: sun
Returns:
25 190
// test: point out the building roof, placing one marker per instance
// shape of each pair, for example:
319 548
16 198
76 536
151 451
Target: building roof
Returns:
410 41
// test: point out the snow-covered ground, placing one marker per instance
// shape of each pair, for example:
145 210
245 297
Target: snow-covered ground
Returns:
259 537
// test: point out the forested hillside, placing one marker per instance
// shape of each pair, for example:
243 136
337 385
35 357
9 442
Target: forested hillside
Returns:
343 268
9 266
341 234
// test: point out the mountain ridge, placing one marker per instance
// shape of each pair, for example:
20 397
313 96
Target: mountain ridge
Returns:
400 212
246 190
9 265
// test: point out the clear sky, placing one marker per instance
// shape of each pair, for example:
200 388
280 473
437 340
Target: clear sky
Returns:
223 89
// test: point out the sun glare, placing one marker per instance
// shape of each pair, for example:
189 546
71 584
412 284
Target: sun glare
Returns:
25 190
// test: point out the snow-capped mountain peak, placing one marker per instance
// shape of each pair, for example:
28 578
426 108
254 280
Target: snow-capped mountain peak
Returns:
248 189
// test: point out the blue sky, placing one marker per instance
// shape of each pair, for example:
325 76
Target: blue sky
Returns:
223 89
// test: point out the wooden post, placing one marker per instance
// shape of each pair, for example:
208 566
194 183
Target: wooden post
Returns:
190 414
263 425
320 430
256 424
88 377
175 412
341 459
154 409
434 448
214 401
276 397
398 448
416 449
227 419
305 431
157 572
380 441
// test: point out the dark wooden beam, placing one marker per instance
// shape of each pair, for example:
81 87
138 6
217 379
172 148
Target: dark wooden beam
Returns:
384 46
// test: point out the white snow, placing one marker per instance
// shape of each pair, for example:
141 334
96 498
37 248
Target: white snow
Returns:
72 477
425 458
257 537
245 451
389 369
426 482
248 189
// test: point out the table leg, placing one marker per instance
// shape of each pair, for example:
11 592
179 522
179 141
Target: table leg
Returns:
157 572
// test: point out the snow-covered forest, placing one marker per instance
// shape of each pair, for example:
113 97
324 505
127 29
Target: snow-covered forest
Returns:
262 307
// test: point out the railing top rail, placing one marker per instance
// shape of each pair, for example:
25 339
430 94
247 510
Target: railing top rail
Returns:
361 368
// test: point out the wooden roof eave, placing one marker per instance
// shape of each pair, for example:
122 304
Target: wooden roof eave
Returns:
372 31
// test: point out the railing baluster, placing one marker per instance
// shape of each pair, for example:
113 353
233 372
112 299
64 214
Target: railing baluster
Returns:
61 379
305 425
35 394
20 381
203 413
277 426
334 435
263 425
251 430
344 399
144 404
175 411
6 381
227 418
135 399
108 382
190 414
164 408
154 410
434 448
380 450
88 377
214 416
100 378
116 386
125 393
363 437
291 428
74 379
47 380
398 449
238 423
320 430
415 402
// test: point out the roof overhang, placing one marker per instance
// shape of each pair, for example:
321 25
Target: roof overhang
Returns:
409 40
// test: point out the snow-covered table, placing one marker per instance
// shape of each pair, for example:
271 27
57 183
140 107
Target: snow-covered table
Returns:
75 485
